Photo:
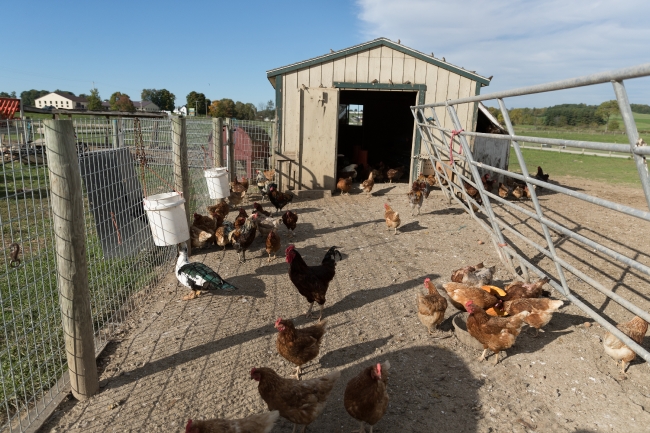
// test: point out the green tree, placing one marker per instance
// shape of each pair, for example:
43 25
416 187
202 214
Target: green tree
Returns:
7 95
163 98
121 102
198 101
94 101
245 111
266 109
613 125
606 110
223 108
29 96
65 92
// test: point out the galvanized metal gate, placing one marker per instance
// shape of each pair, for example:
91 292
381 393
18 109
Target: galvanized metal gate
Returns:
450 149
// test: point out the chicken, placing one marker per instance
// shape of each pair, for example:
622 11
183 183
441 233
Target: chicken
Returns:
541 310
242 238
488 183
458 275
519 289
266 225
431 307
377 175
345 185
222 209
366 395
425 188
441 174
527 191
239 187
262 423
518 192
312 281
431 180
349 171
495 333
240 219
262 183
290 219
272 244
540 175
205 223
392 218
395 173
222 234
260 210
415 198
461 293
269 175
279 199
473 192
299 346
299 401
479 277
235 198
369 183
504 191
636 330
200 238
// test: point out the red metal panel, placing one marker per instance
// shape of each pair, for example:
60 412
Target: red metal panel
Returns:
9 107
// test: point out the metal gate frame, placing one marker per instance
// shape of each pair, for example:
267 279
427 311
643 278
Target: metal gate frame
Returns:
442 151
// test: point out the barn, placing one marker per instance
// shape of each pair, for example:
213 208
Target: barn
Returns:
353 106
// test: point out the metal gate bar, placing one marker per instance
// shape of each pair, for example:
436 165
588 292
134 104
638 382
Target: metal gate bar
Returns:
465 170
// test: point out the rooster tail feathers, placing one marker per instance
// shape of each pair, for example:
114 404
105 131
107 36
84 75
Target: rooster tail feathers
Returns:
331 254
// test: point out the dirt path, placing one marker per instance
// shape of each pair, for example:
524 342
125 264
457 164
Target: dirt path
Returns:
191 359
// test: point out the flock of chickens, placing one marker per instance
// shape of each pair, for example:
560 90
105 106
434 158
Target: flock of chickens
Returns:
495 316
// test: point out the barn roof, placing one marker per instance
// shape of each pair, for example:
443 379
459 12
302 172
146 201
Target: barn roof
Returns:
373 44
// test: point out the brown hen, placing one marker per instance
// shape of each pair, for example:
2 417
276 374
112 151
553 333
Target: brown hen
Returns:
541 310
392 218
366 395
636 330
290 220
519 289
299 346
345 185
431 307
272 244
299 401
460 294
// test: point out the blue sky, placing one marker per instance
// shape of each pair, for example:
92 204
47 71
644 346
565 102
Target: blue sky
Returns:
223 49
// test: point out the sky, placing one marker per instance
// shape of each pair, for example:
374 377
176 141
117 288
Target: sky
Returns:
224 49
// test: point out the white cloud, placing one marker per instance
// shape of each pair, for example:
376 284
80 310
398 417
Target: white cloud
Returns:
523 42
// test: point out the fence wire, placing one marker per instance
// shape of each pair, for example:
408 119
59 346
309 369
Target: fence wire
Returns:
253 149
123 262
200 148
31 340
524 234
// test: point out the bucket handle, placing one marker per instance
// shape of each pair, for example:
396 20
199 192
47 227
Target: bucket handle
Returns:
162 206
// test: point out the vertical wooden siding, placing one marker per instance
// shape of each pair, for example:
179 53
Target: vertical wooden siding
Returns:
381 64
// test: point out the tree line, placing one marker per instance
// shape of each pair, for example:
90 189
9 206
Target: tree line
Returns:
165 100
569 115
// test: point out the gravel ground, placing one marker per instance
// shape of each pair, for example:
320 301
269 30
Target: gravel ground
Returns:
175 360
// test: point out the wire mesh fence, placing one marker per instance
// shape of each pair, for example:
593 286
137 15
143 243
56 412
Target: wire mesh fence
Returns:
122 259
31 340
121 161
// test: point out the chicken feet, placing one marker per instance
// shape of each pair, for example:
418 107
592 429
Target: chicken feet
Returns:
297 373
482 357
269 259
308 313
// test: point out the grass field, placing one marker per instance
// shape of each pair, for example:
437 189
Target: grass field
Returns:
610 170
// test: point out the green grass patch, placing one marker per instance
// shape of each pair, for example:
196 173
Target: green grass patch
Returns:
604 169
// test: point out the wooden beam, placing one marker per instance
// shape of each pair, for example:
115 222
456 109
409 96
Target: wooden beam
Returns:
380 86
181 169
72 266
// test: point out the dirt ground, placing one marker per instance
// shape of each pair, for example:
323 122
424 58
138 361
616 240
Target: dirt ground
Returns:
176 359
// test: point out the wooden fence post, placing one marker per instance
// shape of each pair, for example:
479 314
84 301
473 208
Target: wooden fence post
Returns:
231 150
217 141
181 169
71 262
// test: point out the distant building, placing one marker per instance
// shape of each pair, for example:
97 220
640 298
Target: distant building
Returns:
61 100
146 106
181 111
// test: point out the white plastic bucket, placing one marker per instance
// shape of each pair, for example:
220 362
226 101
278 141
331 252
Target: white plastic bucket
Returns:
218 185
167 218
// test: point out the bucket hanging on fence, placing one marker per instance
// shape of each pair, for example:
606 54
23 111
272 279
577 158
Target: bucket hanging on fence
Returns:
218 185
167 218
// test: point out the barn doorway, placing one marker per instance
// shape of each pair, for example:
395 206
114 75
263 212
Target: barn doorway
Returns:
375 127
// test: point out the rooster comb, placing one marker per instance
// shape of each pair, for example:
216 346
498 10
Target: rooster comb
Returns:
277 322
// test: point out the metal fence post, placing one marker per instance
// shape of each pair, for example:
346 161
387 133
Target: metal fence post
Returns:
181 168
71 261
217 140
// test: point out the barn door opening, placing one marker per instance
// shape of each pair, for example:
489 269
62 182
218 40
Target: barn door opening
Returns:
318 144
376 129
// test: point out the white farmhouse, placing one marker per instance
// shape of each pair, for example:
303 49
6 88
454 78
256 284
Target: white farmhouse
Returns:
61 100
